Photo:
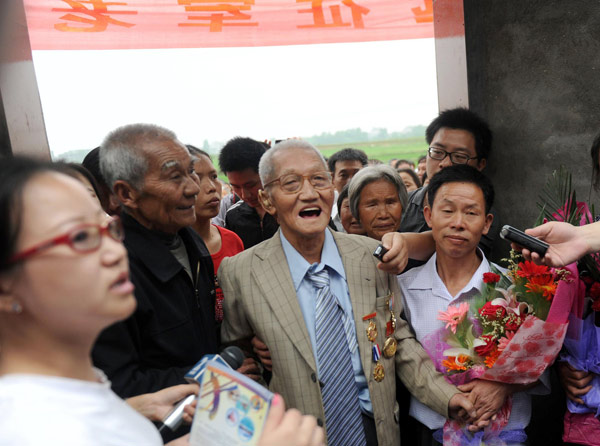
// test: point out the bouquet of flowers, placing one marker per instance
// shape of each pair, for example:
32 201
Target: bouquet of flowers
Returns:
582 342
511 334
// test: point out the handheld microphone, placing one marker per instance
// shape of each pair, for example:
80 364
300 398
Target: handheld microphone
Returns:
232 357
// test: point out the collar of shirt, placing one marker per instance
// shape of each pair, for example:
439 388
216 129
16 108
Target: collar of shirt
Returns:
428 279
149 248
418 197
330 257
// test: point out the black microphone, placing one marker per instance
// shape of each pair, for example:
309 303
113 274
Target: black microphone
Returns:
231 356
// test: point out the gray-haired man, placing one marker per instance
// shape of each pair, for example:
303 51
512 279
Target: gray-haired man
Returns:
152 175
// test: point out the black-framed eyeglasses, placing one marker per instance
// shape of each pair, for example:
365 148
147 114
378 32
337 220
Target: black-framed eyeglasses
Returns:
455 157
83 238
292 182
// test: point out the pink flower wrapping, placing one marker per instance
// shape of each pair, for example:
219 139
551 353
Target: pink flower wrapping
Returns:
525 355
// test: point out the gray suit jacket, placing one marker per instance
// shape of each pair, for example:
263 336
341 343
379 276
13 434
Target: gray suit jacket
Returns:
260 300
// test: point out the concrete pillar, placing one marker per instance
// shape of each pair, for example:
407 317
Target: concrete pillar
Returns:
22 129
450 54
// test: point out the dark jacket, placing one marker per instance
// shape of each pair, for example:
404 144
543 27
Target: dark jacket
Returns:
173 325
242 219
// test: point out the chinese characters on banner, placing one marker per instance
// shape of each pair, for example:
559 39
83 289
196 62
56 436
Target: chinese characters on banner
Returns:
128 24
215 15
318 14
95 18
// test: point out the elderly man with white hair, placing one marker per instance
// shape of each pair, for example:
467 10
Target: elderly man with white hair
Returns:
329 315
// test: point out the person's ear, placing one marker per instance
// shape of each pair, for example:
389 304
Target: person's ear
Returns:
266 202
126 194
427 215
8 301
481 164
489 218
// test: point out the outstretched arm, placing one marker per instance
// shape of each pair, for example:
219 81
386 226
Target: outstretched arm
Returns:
568 243
402 246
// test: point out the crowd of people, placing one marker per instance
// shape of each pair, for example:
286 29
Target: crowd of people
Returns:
119 274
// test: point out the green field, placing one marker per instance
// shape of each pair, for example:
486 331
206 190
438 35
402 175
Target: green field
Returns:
409 148
405 148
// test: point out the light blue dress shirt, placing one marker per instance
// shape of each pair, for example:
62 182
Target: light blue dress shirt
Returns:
307 298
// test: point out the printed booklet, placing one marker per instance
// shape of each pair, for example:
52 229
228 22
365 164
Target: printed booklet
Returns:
231 408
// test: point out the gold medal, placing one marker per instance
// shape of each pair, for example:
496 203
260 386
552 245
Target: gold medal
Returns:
389 348
372 331
378 372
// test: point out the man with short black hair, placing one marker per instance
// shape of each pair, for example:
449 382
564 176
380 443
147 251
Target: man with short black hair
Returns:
456 136
343 165
239 160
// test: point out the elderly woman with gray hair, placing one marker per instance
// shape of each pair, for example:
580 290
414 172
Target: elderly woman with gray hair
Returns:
377 198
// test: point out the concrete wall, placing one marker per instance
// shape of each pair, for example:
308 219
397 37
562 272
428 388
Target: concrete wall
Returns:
534 74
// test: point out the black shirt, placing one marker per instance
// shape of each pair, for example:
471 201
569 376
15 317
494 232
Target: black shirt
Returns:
242 219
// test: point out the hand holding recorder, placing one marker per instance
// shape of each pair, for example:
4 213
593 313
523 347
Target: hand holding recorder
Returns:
566 243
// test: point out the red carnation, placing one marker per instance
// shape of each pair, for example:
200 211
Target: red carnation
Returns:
490 345
491 278
492 312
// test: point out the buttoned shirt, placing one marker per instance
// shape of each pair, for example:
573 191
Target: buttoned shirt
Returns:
424 295
307 298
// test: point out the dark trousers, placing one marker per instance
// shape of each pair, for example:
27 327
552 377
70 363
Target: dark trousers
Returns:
424 435
370 431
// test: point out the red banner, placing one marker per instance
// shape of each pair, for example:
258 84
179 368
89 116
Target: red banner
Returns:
139 24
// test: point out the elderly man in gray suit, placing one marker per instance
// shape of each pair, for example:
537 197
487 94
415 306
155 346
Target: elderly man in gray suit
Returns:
329 316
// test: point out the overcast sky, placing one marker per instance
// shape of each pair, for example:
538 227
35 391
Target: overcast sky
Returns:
217 93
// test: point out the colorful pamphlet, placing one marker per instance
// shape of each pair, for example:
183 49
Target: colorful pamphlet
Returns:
231 408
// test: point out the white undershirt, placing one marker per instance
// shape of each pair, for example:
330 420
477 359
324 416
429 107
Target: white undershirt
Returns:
47 410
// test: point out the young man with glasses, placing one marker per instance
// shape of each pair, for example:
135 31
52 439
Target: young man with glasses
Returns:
456 136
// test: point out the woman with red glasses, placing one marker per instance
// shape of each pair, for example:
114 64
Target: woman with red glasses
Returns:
64 277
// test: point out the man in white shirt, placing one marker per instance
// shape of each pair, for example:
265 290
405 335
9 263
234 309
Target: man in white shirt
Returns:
460 198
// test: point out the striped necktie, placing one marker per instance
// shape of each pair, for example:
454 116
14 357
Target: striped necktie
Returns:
343 419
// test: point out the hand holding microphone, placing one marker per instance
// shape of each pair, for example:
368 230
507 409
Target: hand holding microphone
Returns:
155 406
231 356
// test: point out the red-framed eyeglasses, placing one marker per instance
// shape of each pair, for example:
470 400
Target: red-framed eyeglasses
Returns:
83 238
